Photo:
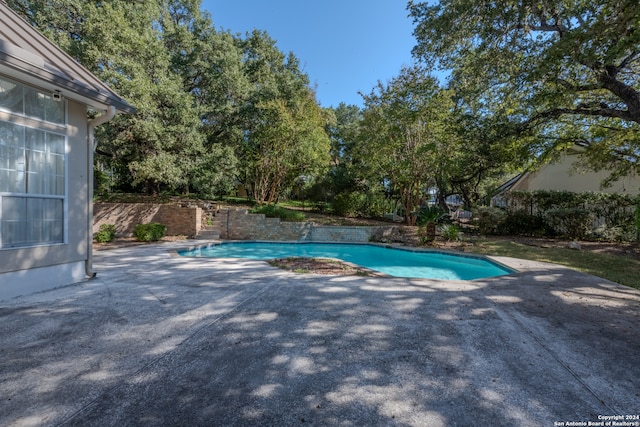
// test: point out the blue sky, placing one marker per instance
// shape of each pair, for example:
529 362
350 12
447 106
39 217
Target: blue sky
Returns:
345 46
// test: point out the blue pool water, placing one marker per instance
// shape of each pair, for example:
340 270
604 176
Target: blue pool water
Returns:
392 261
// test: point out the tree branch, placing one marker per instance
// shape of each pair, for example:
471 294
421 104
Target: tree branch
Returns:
602 110
579 88
104 153
626 93
625 62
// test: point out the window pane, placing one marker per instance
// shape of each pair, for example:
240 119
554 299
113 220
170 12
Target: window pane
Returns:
57 164
13 208
55 143
13 221
54 110
4 156
33 160
11 135
11 97
41 106
59 190
15 181
17 160
5 177
28 221
27 101
33 105
34 139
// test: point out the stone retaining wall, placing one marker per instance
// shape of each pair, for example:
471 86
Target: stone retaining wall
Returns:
180 221
241 225
356 234
233 224
238 224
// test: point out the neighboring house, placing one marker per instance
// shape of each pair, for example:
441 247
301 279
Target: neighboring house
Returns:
563 175
46 159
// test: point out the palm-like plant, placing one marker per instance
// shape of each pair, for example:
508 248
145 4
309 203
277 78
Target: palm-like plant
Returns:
428 217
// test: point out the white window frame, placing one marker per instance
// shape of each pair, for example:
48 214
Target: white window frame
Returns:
29 122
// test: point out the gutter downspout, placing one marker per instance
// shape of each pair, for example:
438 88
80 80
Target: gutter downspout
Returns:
91 147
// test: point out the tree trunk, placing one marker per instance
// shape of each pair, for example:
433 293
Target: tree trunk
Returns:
431 230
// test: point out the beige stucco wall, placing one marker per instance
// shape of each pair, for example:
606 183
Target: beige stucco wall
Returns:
562 176
74 250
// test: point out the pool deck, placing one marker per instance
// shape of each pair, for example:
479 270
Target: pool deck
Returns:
161 340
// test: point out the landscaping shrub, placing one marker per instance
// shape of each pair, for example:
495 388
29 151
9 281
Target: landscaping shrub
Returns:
450 232
521 223
427 218
376 205
106 233
322 207
149 232
349 204
573 223
371 204
273 211
428 214
614 234
488 219
575 215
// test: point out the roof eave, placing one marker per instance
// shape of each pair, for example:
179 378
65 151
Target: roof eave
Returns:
28 73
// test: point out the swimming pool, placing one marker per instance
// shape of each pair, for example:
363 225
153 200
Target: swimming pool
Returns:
388 260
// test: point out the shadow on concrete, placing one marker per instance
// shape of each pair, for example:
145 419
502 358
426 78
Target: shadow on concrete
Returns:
162 341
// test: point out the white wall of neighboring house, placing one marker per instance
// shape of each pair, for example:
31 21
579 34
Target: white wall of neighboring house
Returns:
562 175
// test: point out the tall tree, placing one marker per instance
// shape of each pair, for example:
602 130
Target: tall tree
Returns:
403 133
284 127
209 64
344 136
291 142
566 70
208 103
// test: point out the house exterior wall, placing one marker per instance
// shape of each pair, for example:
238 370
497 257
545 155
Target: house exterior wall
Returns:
562 176
27 269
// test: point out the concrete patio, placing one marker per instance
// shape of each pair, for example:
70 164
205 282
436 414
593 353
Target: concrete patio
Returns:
158 340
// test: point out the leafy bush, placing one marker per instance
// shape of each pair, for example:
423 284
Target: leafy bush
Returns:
576 215
106 233
349 204
322 207
521 223
365 205
273 211
489 219
573 223
376 205
149 232
450 232
614 234
428 214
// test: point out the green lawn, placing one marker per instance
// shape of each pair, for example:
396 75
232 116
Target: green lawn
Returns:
617 268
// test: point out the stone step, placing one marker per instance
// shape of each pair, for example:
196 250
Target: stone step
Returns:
208 235
213 225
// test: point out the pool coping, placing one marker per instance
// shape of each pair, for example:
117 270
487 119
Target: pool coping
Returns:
511 270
